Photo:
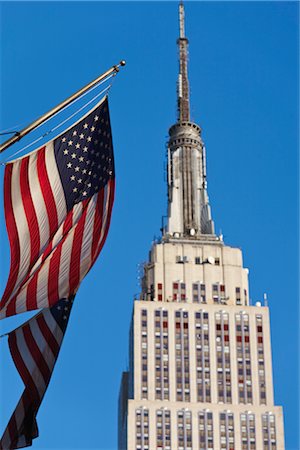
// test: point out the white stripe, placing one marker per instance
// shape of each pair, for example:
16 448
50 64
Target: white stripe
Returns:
30 363
53 327
55 182
21 224
38 202
42 344
87 239
42 285
65 260
19 413
107 194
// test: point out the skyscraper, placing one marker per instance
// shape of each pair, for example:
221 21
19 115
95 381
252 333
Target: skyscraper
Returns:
200 375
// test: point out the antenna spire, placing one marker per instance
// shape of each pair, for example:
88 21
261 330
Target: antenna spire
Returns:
183 96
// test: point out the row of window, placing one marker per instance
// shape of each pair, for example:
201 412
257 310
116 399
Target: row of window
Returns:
205 430
203 356
199 294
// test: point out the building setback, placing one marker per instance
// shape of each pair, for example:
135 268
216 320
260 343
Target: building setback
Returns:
200 375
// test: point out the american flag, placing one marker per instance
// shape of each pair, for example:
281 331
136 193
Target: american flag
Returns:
58 202
34 347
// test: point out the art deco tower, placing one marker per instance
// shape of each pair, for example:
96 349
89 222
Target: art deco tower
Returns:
200 375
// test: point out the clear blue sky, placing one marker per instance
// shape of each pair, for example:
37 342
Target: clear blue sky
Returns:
244 85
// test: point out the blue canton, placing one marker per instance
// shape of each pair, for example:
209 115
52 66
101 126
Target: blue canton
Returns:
84 156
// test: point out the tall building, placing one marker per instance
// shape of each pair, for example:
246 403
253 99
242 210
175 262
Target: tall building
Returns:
200 375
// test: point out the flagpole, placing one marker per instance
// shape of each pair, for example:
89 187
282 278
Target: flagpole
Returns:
18 135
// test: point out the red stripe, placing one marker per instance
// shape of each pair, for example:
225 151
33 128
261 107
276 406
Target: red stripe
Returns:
12 235
110 205
31 299
20 365
36 353
31 218
97 222
74 273
48 335
47 192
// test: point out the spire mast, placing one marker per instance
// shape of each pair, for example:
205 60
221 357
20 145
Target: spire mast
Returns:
183 96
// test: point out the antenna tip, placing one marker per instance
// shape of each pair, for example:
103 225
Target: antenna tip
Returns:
123 63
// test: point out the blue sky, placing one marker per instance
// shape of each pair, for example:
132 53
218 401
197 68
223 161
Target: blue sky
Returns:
244 87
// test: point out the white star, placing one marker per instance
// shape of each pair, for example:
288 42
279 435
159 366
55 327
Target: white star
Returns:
69 165
96 118
73 155
75 189
77 145
88 161
59 307
94 176
98 167
81 136
89 185
103 156
70 142
72 178
79 181
85 149
74 133
89 139
76 169
84 193
66 308
92 152
92 129
63 139
81 158
66 152
97 154
84 171
65 317
96 142
110 172
85 126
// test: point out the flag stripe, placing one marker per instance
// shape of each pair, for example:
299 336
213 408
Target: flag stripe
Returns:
29 210
20 364
48 334
12 234
97 222
35 353
47 191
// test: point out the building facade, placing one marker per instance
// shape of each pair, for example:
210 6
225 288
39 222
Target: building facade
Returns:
200 375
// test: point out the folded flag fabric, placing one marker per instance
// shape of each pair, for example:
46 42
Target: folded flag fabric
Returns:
34 347
58 202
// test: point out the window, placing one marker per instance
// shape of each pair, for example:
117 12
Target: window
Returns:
206 435
202 352
199 295
218 293
163 429
159 292
144 354
243 358
179 292
223 357
142 429
184 430
261 359
182 356
161 352
197 260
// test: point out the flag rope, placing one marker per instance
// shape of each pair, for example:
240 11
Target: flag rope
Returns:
61 123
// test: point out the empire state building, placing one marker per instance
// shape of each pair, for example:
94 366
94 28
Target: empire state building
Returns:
200 373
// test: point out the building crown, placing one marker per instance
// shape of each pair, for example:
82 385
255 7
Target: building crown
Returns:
189 214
